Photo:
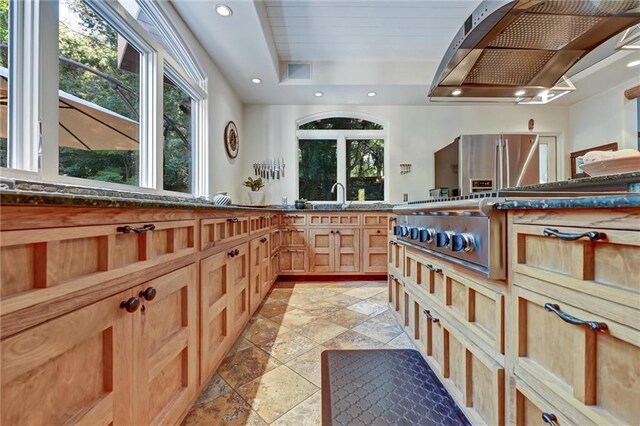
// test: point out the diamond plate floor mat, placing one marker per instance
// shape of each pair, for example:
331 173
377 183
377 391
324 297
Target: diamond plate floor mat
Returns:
384 387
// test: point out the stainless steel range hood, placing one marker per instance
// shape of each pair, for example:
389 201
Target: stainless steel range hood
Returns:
518 49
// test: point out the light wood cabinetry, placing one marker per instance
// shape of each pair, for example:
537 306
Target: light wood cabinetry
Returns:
334 250
334 219
293 219
255 277
165 348
259 223
374 250
238 260
222 230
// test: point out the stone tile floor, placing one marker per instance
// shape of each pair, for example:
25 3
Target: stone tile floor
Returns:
272 374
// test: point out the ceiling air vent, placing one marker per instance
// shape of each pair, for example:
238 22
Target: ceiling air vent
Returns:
297 71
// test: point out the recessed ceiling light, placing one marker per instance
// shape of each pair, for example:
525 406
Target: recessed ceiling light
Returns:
371 94
520 92
318 94
224 10
633 64
256 80
456 92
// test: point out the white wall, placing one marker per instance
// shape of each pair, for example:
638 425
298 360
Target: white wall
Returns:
604 118
224 106
415 132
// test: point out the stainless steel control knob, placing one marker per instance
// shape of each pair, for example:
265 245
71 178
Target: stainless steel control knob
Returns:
443 239
462 242
427 235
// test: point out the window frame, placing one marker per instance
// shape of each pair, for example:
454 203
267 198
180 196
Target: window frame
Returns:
33 145
341 155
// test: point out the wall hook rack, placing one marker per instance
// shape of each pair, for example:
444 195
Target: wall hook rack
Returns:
405 168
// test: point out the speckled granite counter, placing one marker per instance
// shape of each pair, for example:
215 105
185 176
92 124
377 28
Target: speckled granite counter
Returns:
37 193
604 201
618 182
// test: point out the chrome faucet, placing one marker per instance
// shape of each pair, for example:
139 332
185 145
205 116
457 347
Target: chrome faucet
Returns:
344 192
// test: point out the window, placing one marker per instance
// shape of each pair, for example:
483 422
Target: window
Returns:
349 150
317 172
4 82
177 158
99 100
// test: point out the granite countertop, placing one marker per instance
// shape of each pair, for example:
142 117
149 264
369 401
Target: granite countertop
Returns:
619 182
38 193
591 202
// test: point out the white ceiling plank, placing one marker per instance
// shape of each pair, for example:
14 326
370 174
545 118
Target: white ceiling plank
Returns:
356 38
453 23
365 12
431 31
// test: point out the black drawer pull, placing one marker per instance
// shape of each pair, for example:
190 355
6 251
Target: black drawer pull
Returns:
232 220
393 277
393 243
142 230
567 236
130 305
431 317
550 418
592 325
234 253
433 268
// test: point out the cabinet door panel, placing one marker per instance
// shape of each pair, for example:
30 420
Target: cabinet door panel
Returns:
222 230
166 349
215 316
294 237
321 250
76 368
294 219
396 257
293 260
265 266
347 250
374 250
255 279
239 279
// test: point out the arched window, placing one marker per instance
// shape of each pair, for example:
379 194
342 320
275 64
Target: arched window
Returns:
345 149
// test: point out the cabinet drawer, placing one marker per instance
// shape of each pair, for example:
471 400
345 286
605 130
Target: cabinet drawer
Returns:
334 219
259 223
396 296
594 368
293 260
477 307
274 220
395 255
294 219
606 268
533 410
275 237
238 264
375 220
293 237
40 265
472 377
392 220
220 231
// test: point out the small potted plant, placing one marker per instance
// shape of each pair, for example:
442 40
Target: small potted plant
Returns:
255 195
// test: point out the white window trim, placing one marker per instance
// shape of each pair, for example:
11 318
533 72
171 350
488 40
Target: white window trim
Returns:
34 76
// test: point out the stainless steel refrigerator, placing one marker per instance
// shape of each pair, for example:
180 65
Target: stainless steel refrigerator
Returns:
475 163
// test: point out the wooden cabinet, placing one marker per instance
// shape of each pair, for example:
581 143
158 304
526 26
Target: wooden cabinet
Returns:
334 250
395 254
293 237
334 219
533 410
238 260
216 335
265 266
255 277
274 266
222 230
290 219
293 260
392 220
165 348
76 368
375 220
259 223
274 240
374 250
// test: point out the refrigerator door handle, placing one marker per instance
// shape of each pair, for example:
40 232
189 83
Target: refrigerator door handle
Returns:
499 163
528 161
508 161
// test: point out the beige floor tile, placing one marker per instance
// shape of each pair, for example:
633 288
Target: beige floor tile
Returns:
367 307
213 390
272 309
386 317
342 300
246 365
276 392
228 410
287 346
240 345
307 413
380 331
308 365
294 318
302 300
382 297
377 284
364 292
321 330
352 340
321 308
400 342
347 318
261 329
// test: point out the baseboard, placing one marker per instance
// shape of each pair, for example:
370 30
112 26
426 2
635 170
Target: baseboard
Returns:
332 277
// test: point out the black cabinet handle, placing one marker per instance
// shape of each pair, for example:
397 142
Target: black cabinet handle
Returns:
393 277
431 317
393 243
263 240
433 268
232 253
130 305
263 217
149 293
378 231
141 230
550 418
567 236
232 220
332 231
337 232
592 325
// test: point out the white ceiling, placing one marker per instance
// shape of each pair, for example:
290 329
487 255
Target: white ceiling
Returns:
354 47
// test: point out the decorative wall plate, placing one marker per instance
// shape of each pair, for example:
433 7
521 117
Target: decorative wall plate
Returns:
231 139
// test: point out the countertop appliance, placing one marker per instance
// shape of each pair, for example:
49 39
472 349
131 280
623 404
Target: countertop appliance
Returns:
477 163
525 46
